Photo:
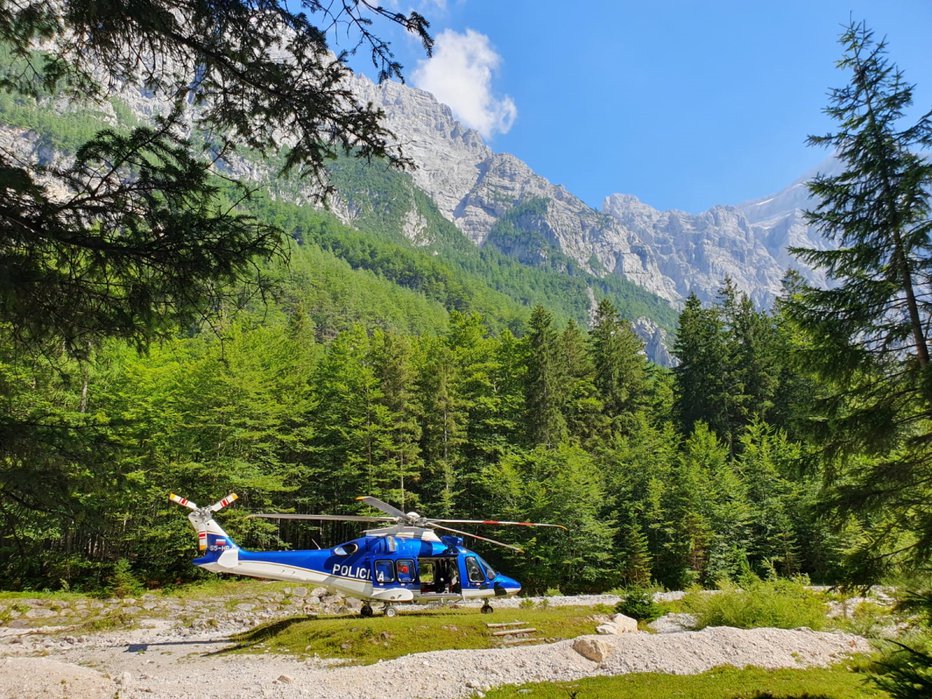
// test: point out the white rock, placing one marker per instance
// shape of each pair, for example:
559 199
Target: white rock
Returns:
593 648
625 624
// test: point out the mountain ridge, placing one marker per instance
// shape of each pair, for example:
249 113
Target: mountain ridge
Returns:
669 253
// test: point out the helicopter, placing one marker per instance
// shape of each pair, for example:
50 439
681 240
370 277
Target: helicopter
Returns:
404 560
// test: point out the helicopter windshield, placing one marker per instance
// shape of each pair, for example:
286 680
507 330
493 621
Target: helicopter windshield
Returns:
489 571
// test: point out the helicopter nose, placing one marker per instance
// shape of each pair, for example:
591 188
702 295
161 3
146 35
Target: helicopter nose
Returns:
509 586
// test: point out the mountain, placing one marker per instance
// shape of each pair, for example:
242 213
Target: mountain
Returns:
473 230
669 253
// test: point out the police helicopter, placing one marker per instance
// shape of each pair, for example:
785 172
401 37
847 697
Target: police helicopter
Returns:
404 560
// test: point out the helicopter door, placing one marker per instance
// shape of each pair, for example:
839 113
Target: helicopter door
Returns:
471 572
383 572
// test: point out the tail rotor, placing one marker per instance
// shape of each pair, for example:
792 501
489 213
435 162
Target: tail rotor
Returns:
184 502
220 504
210 535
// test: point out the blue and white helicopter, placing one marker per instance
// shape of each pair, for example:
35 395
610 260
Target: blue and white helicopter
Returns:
403 561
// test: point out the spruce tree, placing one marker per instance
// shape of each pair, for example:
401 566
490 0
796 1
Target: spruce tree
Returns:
546 382
620 363
582 407
701 376
869 330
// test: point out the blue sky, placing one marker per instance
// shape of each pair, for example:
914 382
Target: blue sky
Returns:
684 104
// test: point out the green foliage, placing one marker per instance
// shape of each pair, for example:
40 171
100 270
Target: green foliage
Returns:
870 330
638 603
905 671
781 603
838 682
122 581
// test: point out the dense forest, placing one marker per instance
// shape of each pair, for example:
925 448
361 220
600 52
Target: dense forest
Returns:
166 330
689 476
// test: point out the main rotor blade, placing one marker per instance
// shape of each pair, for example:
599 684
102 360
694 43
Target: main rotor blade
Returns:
184 502
497 522
384 506
476 536
328 518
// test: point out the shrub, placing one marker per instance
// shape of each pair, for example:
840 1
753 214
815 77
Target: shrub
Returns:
782 603
122 581
638 603
906 673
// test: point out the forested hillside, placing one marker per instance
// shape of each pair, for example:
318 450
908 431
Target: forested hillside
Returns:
561 425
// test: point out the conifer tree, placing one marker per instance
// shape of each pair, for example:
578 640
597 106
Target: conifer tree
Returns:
545 386
133 236
443 419
620 363
399 454
582 407
869 330
701 376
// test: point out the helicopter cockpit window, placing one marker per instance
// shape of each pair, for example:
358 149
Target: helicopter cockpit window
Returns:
384 571
489 571
346 549
473 572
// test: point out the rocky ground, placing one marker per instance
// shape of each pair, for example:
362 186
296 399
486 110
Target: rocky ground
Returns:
162 646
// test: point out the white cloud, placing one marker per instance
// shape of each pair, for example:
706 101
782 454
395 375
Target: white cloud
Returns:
459 74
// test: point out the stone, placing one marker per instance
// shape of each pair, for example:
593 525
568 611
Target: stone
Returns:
625 624
245 607
286 679
607 629
319 592
300 591
593 648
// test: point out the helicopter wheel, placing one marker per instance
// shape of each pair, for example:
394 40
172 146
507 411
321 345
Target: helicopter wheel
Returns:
365 610
487 608
390 611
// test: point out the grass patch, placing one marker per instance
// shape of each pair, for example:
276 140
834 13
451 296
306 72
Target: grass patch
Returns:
216 588
839 682
784 604
44 594
365 641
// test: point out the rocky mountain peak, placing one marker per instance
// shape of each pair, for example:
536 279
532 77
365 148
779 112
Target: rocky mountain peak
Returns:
670 253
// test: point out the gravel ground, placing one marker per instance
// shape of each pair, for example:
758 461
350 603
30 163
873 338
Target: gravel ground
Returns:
162 660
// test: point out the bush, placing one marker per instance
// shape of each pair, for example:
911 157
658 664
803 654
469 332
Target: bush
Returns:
784 604
122 581
906 673
638 603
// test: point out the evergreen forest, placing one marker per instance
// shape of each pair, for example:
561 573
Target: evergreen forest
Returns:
304 362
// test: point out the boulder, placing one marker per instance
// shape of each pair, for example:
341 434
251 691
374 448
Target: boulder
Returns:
618 625
593 648
625 624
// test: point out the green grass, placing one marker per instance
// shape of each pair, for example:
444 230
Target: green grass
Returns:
44 594
364 641
216 587
838 682
783 604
